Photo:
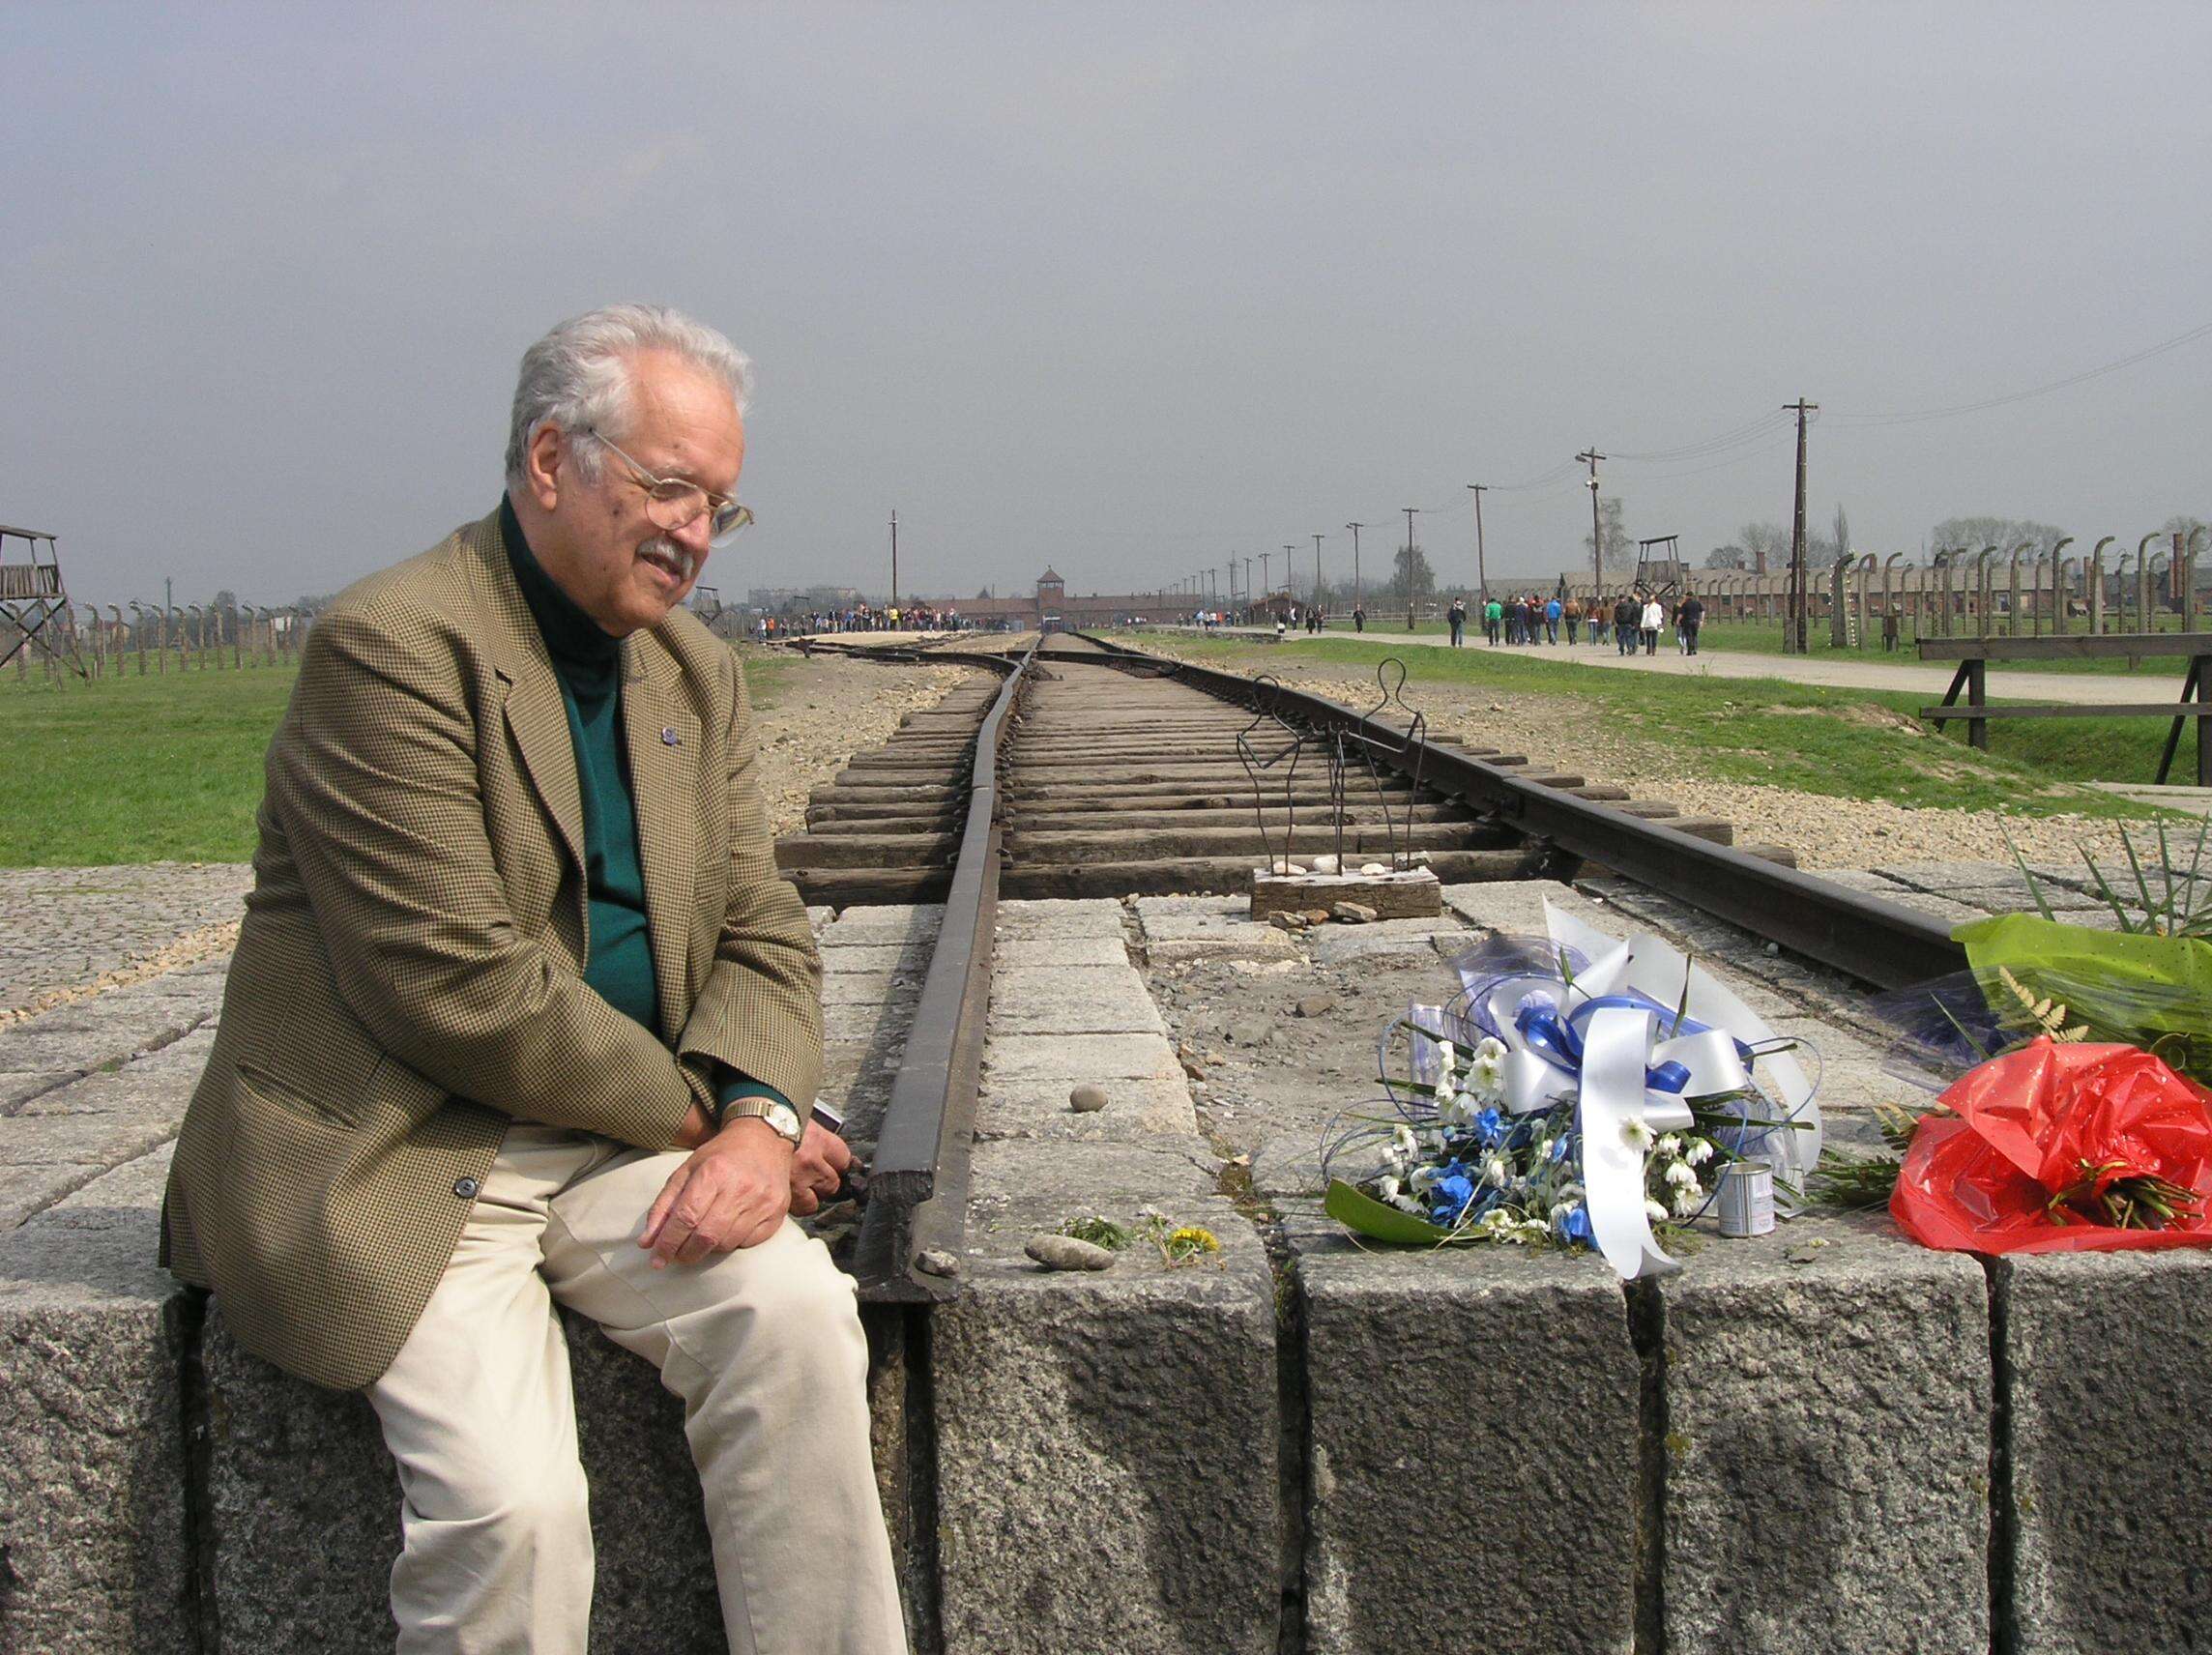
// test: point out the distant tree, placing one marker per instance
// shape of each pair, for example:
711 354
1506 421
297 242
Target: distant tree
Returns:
1728 558
984 596
1842 541
1410 576
2184 526
1768 543
2003 533
1619 552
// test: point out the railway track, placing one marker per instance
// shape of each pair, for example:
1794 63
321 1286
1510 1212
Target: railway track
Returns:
1090 769
1122 779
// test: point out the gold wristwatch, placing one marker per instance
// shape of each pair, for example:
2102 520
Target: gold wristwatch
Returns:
782 1118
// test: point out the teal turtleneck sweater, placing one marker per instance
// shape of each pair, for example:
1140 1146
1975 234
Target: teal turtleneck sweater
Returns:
589 664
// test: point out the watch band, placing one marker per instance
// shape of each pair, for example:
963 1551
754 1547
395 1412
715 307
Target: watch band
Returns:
782 1118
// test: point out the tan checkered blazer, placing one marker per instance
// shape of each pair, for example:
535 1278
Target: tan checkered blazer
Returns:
409 975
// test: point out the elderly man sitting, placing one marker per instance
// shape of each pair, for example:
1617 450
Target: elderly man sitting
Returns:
519 1017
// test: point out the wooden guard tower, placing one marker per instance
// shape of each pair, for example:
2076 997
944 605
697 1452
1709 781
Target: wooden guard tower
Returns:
1660 573
34 603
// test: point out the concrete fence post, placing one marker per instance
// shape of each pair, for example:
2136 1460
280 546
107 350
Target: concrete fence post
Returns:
2097 586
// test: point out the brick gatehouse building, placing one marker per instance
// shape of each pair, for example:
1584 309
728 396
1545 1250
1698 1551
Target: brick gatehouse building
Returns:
1072 611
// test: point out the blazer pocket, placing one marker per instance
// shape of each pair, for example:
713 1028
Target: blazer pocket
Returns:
291 1100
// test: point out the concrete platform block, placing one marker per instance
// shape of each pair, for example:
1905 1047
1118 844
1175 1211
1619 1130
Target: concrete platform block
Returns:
870 988
1826 1445
1254 942
1011 1059
92 1538
1082 1174
1061 917
1072 999
1473 1417
890 923
1107 1449
304 1508
1022 953
2108 1360
897 959
1136 1111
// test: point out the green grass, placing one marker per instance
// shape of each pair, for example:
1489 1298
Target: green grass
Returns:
165 769
137 769
1765 638
1846 743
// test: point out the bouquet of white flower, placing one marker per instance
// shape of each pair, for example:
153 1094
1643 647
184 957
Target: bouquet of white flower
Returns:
1558 1100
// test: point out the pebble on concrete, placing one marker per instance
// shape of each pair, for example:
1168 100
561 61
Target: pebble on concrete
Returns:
1067 1253
1088 1098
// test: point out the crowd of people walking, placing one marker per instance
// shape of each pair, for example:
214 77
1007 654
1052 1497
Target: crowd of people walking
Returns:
1630 622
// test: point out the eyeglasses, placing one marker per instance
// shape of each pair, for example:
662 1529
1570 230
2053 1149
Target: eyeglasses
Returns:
672 502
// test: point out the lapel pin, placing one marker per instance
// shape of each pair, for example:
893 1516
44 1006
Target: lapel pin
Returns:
668 735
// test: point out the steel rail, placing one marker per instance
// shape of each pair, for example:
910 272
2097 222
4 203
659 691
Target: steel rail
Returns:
1881 943
917 1179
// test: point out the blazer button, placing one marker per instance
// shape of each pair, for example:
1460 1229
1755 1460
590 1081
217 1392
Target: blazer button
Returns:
466 1188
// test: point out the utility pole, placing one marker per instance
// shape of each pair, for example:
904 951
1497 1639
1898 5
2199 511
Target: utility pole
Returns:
1355 528
1596 531
1247 582
1410 512
1481 567
1266 580
894 558
1796 642
1290 569
1317 571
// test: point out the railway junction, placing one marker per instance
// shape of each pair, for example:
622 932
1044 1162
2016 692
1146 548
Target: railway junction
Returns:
1047 1000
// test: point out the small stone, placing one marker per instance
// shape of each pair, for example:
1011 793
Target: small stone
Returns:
1067 1253
1324 865
1374 868
1195 1069
1353 912
1283 920
1317 1005
936 1262
1317 917
1088 1098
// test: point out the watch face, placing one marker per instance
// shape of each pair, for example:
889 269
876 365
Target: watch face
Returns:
785 1120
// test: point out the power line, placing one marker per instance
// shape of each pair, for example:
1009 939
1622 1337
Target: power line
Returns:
2087 374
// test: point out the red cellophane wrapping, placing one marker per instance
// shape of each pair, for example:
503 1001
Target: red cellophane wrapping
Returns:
2025 1122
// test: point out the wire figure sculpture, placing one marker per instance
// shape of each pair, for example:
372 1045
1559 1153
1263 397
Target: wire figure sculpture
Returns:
1377 744
1285 741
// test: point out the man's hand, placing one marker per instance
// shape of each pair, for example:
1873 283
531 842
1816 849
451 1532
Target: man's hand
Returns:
818 1168
730 1192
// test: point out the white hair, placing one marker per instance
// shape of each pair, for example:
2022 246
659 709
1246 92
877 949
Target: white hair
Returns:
578 377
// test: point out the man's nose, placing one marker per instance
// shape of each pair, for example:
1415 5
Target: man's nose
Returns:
697 536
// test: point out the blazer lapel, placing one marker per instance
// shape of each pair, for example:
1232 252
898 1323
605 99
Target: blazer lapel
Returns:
536 716
664 756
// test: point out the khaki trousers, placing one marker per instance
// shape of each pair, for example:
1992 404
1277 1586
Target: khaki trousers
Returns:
764 1344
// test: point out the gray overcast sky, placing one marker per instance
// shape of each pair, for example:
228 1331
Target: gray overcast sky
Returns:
1125 288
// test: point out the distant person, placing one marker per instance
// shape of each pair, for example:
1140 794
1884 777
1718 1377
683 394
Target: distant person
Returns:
1456 614
1572 615
1360 617
1628 617
1654 618
1689 620
1552 610
1282 632
1492 618
1600 619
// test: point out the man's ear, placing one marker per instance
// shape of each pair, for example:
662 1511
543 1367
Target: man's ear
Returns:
545 466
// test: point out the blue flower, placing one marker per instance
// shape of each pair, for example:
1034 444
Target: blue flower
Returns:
1491 1125
1576 1227
1451 1196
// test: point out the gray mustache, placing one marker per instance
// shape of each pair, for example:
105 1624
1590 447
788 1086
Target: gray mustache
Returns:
679 555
